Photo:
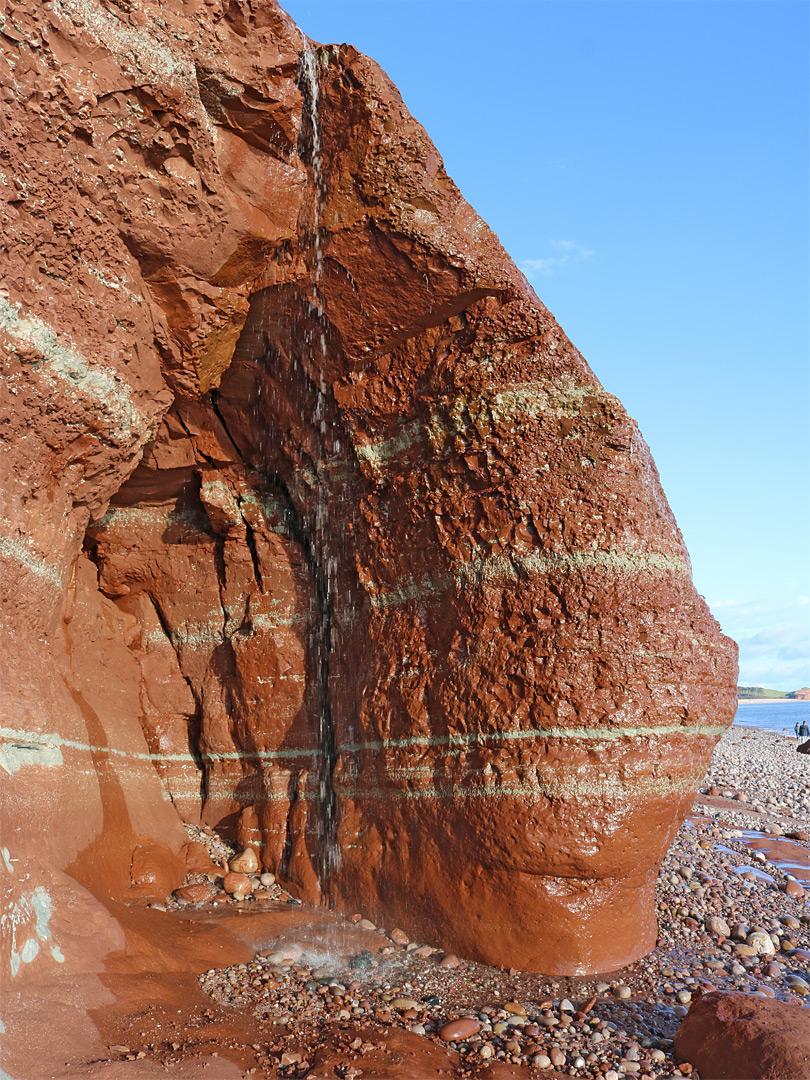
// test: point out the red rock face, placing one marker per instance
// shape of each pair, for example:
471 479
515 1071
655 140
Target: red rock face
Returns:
207 561
316 527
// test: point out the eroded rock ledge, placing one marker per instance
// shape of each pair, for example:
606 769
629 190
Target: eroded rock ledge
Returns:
316 527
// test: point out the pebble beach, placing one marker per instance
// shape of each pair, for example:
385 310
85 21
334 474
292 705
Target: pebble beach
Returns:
732 913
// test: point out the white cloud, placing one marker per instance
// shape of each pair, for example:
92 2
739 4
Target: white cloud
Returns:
567 253
774 640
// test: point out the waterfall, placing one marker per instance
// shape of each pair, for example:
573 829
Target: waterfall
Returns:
309 80
324 564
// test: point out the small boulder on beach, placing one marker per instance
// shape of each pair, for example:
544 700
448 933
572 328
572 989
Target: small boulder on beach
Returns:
198 861
745 1037
246 862
237 883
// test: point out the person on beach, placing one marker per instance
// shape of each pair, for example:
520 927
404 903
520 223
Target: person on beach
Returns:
804 730
796 727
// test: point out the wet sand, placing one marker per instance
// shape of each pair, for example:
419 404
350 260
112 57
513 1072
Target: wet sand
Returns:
272 989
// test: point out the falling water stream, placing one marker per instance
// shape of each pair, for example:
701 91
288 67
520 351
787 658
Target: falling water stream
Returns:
309 80
324 563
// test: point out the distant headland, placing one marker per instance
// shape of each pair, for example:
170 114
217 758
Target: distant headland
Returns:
760 693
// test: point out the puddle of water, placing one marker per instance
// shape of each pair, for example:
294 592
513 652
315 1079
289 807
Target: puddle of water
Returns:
725 850
322 936
759 874
742 868
787 855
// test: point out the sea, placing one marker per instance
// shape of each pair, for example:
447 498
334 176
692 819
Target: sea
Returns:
772 715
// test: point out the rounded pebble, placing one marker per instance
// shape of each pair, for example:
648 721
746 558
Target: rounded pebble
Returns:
718 927
761 943
459 1029
798 985
404 1003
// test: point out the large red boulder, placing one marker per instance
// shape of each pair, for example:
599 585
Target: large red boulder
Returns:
745 1037
315 526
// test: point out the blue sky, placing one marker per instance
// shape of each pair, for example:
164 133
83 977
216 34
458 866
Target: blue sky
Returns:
646 164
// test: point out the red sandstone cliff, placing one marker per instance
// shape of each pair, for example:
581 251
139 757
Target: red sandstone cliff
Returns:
315 527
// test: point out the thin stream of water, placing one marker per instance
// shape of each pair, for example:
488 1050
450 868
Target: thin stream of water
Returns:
316 341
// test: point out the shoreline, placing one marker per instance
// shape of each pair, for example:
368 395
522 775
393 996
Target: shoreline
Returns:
785 733
772 701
